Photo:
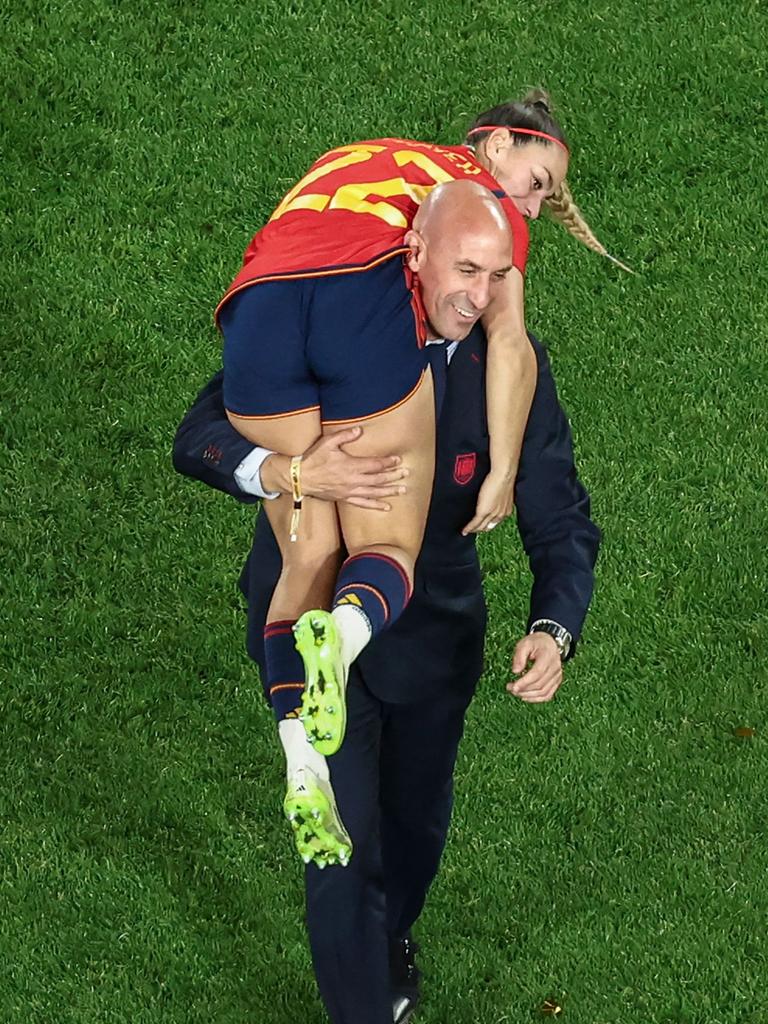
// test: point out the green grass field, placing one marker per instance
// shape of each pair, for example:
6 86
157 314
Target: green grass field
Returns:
609 848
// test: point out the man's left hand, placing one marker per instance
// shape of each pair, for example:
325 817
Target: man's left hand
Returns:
495 502
541 680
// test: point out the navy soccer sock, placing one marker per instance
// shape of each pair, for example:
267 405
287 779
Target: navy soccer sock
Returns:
372 591
285 669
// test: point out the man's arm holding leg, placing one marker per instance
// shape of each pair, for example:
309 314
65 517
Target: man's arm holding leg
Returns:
208 448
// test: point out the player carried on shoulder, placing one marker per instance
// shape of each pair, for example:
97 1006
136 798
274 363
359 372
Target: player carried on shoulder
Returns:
382 246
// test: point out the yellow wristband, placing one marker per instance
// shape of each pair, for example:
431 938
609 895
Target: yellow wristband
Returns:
298 497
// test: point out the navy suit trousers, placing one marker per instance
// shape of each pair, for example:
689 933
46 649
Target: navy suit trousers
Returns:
393 783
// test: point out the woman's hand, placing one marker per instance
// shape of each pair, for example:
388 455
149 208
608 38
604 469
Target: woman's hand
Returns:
495 502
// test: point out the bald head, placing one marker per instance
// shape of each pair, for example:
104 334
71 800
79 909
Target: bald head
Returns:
456 209
461 248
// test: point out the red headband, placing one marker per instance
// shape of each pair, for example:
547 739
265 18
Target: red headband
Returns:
519 131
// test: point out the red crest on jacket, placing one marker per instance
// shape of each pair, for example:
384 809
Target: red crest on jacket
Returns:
464 467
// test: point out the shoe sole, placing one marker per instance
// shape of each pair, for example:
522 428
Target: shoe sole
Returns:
323 704
318 831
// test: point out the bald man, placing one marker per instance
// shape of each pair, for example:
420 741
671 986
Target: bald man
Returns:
354 279
410 689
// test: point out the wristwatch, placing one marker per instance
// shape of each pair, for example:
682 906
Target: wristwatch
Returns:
559 634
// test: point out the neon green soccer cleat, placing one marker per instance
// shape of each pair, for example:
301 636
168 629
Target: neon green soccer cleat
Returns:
318 830
323 705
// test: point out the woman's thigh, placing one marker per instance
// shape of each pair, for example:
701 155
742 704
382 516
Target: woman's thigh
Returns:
310 563
408 431
366 349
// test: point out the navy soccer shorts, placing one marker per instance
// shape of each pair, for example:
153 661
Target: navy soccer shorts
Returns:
346 344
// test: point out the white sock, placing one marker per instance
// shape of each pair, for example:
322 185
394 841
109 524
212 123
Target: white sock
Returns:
354 628
299 752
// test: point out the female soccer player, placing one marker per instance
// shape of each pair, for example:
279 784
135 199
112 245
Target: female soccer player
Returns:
355 269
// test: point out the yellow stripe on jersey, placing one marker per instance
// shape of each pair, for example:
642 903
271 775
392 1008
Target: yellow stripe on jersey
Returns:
353 196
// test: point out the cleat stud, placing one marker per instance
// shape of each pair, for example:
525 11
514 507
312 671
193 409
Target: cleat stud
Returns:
315 813
328 736
306 858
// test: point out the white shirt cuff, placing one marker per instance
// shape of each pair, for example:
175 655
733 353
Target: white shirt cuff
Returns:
248 474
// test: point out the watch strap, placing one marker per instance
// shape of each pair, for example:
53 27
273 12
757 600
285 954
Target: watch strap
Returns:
559 634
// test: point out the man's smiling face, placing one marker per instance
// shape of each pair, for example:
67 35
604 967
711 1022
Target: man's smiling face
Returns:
459 281
461 249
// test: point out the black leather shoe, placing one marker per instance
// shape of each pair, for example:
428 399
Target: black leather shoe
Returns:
405 978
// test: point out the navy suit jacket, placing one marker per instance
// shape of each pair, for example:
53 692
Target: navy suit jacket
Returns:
438 641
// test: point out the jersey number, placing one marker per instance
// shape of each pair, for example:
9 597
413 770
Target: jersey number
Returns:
353 197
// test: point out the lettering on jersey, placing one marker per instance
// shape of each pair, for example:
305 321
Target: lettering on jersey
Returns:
386 179
463 165
295 201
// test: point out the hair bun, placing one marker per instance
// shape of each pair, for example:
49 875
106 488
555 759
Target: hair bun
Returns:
539 99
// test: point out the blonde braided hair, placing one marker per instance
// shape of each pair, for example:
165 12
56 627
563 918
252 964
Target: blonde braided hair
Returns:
534 111
563 209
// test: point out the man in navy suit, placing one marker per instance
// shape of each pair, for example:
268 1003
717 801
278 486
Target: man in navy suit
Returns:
393 775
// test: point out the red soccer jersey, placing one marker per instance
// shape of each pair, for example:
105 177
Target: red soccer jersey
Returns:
353 207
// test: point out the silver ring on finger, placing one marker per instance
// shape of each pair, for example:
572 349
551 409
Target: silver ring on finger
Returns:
491 526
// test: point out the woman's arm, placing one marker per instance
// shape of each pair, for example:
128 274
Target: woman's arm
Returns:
510 384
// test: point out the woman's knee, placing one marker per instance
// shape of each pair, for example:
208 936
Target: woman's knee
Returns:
316 561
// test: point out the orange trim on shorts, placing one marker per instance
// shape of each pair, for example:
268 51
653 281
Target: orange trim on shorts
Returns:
307 275
276 415
381 412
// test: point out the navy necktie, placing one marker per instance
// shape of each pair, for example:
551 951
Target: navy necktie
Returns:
437 356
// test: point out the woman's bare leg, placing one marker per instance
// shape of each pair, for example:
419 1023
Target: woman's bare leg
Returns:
310 567
310 563
408 430
375 582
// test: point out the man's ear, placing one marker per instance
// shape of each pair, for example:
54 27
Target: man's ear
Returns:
416 257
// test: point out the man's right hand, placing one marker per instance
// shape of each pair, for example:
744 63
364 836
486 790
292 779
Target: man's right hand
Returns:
331 474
